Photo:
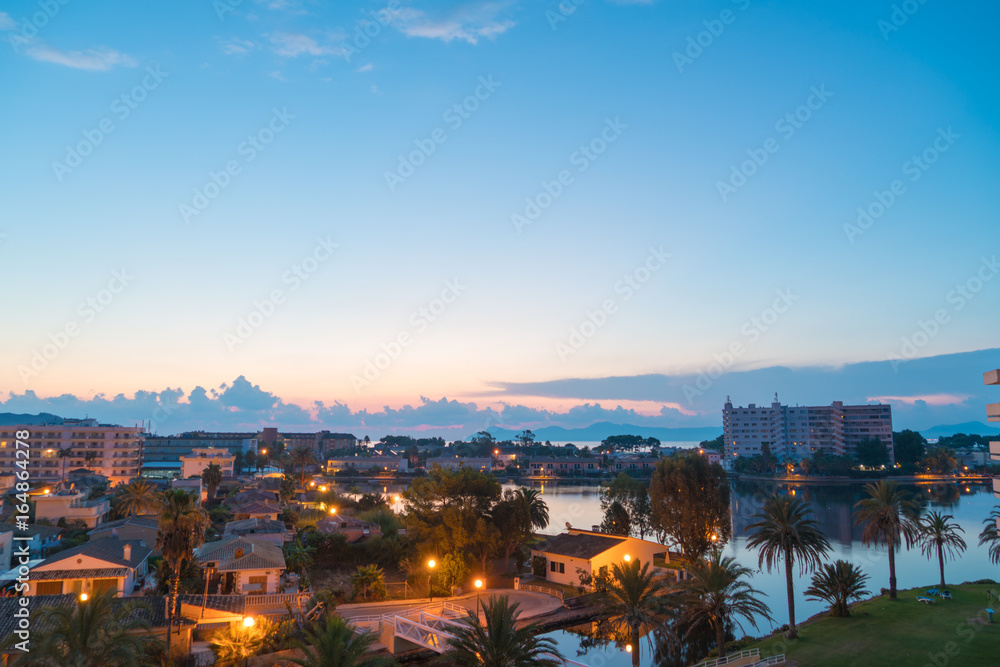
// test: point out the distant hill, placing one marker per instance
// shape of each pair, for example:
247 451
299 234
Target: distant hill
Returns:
10 418
969 428
600 430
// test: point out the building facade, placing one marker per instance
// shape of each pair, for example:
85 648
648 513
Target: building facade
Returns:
106 449
482 464
194 464
799 432
161 455
367 464
993 415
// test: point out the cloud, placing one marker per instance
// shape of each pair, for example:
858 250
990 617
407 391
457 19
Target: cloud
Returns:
366 68
6 22
94 60
236 46
469 22
292 45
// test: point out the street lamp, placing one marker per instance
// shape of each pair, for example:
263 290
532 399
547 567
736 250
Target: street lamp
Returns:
248 621
628 648
479 585
430 591
627 558
83 597
333 510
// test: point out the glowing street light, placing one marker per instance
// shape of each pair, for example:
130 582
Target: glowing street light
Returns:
479 585
83 597
323 489
430 573
627 558
628 648
248 621
333 510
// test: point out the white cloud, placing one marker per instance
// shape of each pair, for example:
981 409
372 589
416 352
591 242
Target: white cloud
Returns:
236 46
292 45
6 22
91 59
467 23
366 68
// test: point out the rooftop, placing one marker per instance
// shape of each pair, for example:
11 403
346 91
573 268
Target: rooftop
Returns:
580 545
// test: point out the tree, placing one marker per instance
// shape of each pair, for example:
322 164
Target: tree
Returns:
625 502
368 580
938 536
525 438
182 527
497 641
785 531
616 519
64 454
516 514
301 457
632 597
238 462
990 535
872 453
286 490
139 496
102 631
888 519
838 583
689 502
908 447
298 556
238 643
940 460
212 477
453 570
335 645
483 437
719 595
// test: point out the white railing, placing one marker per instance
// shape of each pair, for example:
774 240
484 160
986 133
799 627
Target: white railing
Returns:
423 635
556 592
772 660
733 657
275 599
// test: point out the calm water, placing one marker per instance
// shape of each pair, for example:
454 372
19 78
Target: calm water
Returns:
833 506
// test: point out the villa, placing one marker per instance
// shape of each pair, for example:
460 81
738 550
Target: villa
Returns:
71 505
558 559
93 567
244 565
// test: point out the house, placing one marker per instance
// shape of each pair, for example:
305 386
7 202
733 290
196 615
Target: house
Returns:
193 486
551 467
42 538
71 505
254 510
104 564
355 530
559 558
365 464
244 565
193 464
152 610
484 464
633 462
264 529
253 496
143 527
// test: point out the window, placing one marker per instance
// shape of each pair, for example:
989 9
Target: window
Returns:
48 588
557 567
100 585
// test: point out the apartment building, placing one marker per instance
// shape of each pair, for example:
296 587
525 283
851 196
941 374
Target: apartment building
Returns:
799 432
993 415
161 455
194 464
54 449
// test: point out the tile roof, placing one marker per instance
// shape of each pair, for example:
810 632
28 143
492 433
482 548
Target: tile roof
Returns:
256 508
256 524
260 554
107 549
93 573
579 546
142 520
45 532
233 604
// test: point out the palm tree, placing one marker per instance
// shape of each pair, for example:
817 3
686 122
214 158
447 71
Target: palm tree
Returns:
888 518
368 578
632 598
838 583
140 496
784 530
64 454
301 457
287 489
991 535
718 594
182 528
298 557
89 457
938 536
497 641
336 645
538 510
101 631
212 477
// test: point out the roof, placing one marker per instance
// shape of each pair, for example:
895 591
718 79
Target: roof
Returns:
256 508
92 573
255 524
45 532
260 554
234 604
580 545
141 520
152 609
106 549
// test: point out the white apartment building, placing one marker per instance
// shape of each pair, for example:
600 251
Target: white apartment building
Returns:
55 449
194 464
993 415
799 432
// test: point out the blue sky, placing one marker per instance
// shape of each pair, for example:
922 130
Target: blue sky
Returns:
372 291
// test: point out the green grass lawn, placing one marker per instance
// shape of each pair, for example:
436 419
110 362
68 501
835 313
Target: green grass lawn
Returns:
901 632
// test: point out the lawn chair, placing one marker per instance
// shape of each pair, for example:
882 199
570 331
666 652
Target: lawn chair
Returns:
921 598
946 595
932 591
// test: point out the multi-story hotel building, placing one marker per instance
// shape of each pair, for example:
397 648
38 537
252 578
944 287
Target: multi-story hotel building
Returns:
799 432
993 415
161 455
55 449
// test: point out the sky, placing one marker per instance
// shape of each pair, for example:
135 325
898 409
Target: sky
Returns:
400 207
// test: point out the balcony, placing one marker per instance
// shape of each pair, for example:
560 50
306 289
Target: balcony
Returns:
995 451
991 377
993 412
